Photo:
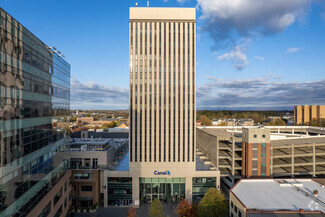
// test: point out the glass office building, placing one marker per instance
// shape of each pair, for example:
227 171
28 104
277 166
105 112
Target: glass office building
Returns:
34 111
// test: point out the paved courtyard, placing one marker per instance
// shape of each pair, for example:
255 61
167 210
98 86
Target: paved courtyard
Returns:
142 211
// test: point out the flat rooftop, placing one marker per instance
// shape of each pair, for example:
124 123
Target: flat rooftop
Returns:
200 165
123 164
89 141
223 134
280 194
220 133
299 140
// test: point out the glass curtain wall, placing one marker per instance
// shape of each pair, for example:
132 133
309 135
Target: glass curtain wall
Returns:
164 189
201 185
34 115
119 191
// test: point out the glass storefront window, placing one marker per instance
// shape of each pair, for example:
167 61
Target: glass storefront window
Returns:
119 191
164 189
201 185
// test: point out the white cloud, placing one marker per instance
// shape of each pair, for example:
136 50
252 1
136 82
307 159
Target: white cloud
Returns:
258 93
294 50
90 95
259 57
237 57
249 17
229 22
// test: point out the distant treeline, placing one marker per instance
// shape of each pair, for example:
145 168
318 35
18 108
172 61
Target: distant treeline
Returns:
257 116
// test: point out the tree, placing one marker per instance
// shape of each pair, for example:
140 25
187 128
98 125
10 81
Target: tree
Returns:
110 125
132 212
186 209
114 124
213 204
156 209
205 120
277 122
317 122
88 115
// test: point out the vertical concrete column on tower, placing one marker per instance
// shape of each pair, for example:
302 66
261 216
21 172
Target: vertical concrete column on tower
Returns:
293 131
188 188
135 191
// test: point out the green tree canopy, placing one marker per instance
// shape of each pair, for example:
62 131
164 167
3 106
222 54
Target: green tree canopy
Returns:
156 209
213 204
277 122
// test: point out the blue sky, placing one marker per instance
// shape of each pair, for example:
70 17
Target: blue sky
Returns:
250 54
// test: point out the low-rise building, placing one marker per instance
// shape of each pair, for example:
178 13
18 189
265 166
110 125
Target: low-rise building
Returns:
245 122
88 158
85 193
274 118
277 197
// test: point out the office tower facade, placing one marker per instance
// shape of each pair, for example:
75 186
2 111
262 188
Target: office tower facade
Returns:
162 85
304 114
162 102
35 103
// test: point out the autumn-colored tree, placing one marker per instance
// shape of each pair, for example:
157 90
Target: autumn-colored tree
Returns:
114 124
205 120
156 209
186 209
110 125
88 115
132 212
213 204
